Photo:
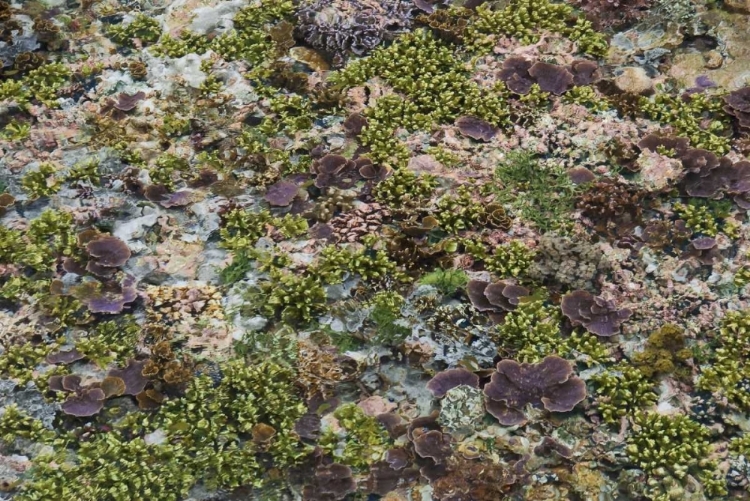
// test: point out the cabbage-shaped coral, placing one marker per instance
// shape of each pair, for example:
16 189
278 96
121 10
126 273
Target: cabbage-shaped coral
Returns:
598 315
550 384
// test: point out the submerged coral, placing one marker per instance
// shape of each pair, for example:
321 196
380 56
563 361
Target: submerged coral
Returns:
350 249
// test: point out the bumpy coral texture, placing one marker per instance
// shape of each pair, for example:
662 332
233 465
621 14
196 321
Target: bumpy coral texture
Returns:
550 384
343 27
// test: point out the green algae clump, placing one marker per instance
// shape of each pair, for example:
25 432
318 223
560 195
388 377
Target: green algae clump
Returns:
363 440
622 391
673 444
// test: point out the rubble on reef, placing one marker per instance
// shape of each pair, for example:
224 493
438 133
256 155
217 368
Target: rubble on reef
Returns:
336 250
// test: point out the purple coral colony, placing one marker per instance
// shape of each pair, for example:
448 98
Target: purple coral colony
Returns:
398 250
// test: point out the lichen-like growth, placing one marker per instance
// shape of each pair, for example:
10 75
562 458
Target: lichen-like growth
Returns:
292 298
54 231
15 424
531 332
166 168
242 228
367 262
113 340
664 353
698 217
20 360
404 189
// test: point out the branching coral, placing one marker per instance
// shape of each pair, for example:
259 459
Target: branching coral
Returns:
531 332
435 82
41 182
142 28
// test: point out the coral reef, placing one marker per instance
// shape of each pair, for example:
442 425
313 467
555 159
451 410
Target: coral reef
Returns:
360 249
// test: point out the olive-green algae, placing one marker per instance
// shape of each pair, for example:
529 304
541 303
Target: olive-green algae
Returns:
362 440
207 437
622 391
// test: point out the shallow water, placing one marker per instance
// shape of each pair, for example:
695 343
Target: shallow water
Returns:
396 249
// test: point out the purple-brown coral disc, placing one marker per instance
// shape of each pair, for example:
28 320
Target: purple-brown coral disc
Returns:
397 458
132 376
476 128
69 382
597 315
281 194
156 193
515 74
739 100
699 161
335 480
739 178
504 295
551 78
89 402
449 379
584 72
109 251
549 384
434 445
126 102
653 141
110 297
65 357
704 243
178 199
331 164
475 291
580 175
504 414
566 396
354 124
308 426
